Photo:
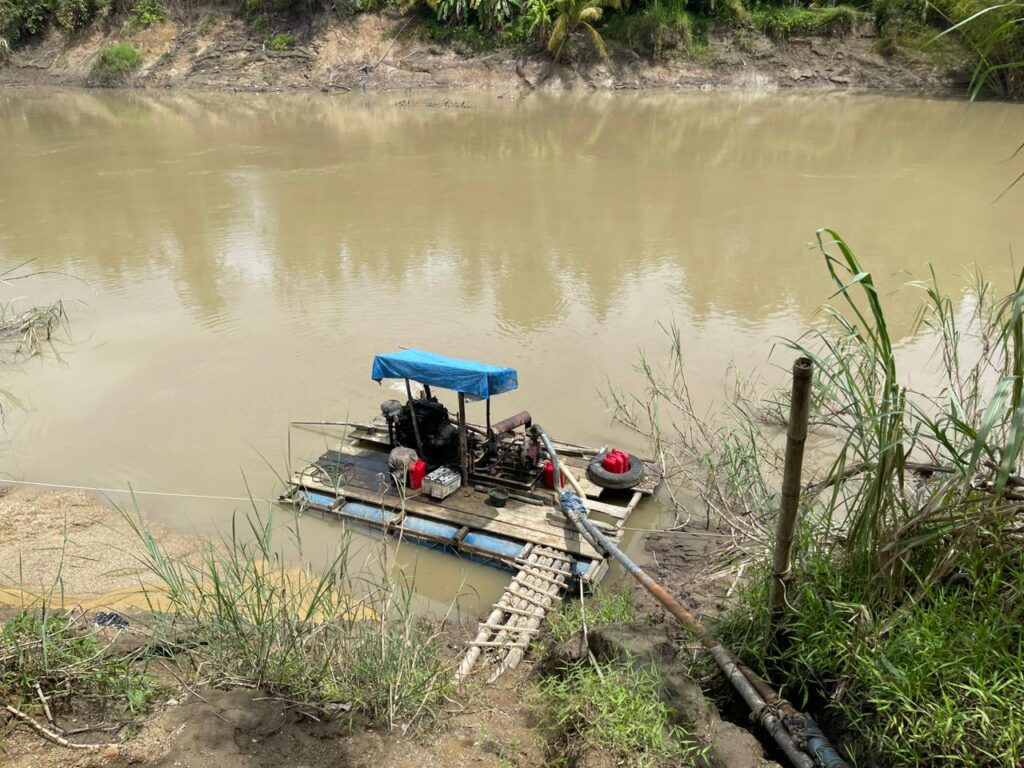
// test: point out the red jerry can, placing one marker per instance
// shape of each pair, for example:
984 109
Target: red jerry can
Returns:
549 475
417 471
616 462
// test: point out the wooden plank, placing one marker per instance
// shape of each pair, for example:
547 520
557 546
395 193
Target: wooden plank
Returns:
612 510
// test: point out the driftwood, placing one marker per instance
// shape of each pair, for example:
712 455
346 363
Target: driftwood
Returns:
56 738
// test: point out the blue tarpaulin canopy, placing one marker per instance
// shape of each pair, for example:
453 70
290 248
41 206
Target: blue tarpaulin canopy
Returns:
477 379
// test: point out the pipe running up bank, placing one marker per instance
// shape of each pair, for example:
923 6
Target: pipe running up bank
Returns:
795 733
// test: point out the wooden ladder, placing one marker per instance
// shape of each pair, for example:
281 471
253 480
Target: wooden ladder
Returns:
505 635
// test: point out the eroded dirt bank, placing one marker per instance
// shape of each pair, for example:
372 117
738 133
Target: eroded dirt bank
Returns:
342 54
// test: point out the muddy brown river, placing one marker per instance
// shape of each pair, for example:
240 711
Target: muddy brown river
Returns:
232 262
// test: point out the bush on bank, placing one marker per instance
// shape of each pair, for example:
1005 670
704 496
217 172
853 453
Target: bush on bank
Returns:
115 63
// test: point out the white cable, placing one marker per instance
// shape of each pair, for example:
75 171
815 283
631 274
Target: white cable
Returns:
131 491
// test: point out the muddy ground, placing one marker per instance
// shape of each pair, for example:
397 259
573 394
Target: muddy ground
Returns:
348 53
91 547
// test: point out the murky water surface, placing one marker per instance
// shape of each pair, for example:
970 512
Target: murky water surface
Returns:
233 262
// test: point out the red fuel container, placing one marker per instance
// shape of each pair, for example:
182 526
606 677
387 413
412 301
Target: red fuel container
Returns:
417 471
616 462
549 475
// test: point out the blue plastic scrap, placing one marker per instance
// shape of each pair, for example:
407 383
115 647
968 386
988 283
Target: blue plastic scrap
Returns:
470 378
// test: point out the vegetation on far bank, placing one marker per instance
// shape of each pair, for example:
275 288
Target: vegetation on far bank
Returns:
904 615
990 36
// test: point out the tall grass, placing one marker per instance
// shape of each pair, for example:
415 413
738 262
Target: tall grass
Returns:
909 588
326 637
994 34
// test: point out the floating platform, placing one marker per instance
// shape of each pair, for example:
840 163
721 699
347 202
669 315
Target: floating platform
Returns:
533 540
355 484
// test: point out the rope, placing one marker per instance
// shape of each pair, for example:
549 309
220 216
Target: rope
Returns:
131 491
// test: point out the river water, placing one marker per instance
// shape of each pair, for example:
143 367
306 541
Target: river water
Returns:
231 262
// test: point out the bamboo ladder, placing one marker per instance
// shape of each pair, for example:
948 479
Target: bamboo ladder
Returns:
505 635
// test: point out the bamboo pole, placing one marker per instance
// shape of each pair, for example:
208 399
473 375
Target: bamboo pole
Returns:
796 438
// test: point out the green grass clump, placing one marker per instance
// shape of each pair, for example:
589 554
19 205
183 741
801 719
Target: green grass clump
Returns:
656 29
605 607
939 683
69 662
615 709
782 23
116 63
281 41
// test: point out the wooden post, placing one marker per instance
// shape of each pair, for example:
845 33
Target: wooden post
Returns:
415 424
463 448
796 438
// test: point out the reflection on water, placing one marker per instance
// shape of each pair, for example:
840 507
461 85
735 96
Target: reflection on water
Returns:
244 256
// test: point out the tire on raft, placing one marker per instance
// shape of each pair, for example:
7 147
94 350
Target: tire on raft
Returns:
612 481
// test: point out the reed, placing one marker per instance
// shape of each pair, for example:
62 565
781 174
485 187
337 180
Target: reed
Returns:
25 333
908 575
327 637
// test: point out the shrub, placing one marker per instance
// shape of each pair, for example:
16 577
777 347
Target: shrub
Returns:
146 13
21 19
75 14
116 62
281 41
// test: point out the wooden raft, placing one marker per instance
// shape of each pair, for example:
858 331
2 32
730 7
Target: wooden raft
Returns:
505 635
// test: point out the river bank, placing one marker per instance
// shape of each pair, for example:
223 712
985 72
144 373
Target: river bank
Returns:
188 713
332 53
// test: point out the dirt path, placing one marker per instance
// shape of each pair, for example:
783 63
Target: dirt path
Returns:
334 53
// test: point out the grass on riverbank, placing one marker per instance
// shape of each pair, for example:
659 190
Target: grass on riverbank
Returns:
610 708
227 614
905 612
326 637
116 63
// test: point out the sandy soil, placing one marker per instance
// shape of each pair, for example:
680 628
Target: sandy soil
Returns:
79 551
336 53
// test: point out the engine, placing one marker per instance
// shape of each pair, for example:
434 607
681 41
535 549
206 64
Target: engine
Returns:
438 436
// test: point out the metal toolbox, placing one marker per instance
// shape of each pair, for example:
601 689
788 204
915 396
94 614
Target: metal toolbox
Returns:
442 483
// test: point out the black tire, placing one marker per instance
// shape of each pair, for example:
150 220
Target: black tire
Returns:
602 477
